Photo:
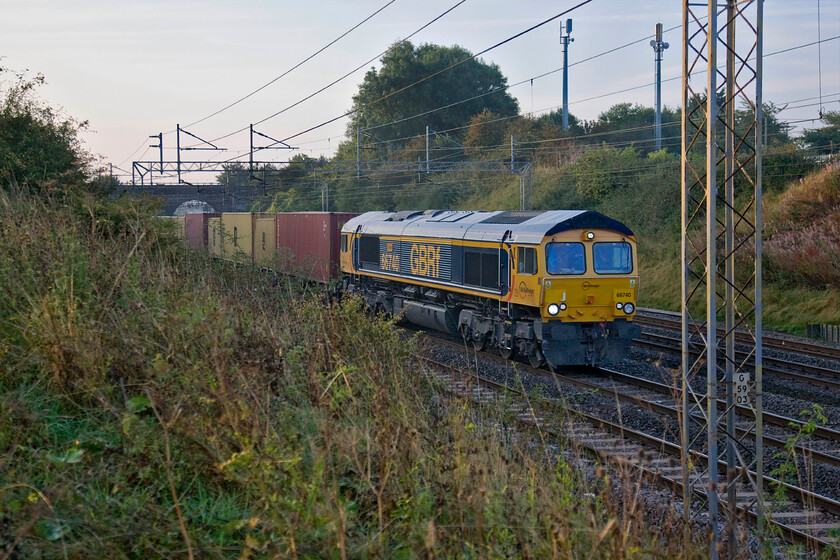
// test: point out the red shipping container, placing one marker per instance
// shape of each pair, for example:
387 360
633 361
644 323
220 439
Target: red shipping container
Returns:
308 243
195 228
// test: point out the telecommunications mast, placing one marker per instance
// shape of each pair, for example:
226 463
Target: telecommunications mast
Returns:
565 39
658 46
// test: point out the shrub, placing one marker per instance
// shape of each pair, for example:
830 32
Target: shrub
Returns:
39 148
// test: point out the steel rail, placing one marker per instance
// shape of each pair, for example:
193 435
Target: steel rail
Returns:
673 345
670 320
658 444
769 417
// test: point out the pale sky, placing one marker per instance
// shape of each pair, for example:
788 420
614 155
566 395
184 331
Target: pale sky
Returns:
134 68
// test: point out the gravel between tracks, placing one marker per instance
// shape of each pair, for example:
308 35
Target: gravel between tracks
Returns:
779 398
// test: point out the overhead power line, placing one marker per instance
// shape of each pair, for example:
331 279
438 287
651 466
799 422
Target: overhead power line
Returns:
592 98
356 69
480 95
296 66
450 67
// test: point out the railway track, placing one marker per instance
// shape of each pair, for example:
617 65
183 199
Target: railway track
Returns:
782 368
672 321
803 517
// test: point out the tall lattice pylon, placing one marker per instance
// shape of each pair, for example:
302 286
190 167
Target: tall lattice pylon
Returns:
721 265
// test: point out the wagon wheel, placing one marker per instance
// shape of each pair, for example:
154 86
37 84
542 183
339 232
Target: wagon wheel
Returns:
507 352
536 358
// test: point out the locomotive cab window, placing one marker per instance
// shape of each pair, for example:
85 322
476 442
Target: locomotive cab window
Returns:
344 243
565 258
613 258
526 260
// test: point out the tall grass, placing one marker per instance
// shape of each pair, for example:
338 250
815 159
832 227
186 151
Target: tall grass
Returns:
804 232
157 404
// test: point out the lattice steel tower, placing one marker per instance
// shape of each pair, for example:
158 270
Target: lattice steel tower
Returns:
721 267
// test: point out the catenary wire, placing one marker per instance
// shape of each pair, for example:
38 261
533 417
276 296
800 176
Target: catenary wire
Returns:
467 59
334 82
295 67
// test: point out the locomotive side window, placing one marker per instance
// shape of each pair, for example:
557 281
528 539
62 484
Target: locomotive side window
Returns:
527 260
344 243
613 258
369 249
565 258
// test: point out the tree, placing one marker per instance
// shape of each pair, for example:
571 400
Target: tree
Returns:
625 124
38 147
825 140
601 171
405 65
234 175
486 130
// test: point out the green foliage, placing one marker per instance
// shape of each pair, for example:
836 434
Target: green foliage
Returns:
785 164
626 124
792 468
406 64
486 130
825 140
605 172
39 148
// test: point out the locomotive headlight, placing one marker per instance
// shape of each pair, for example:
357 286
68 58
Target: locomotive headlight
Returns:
619 305
553 309
629 308
563 306
590 235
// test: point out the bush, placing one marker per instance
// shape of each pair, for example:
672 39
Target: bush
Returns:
38 147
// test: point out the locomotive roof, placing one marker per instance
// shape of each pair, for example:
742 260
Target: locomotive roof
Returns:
524 226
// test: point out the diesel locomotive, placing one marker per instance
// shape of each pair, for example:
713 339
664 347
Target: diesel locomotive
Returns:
557 287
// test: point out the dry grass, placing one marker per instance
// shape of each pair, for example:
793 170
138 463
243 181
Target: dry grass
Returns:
156 404
803 232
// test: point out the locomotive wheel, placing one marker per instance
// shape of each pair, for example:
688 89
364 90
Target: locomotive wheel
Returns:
478 341
536 358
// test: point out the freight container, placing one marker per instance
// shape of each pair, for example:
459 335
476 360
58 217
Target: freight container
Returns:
311 242
265 239
196 231
238 233
215 239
